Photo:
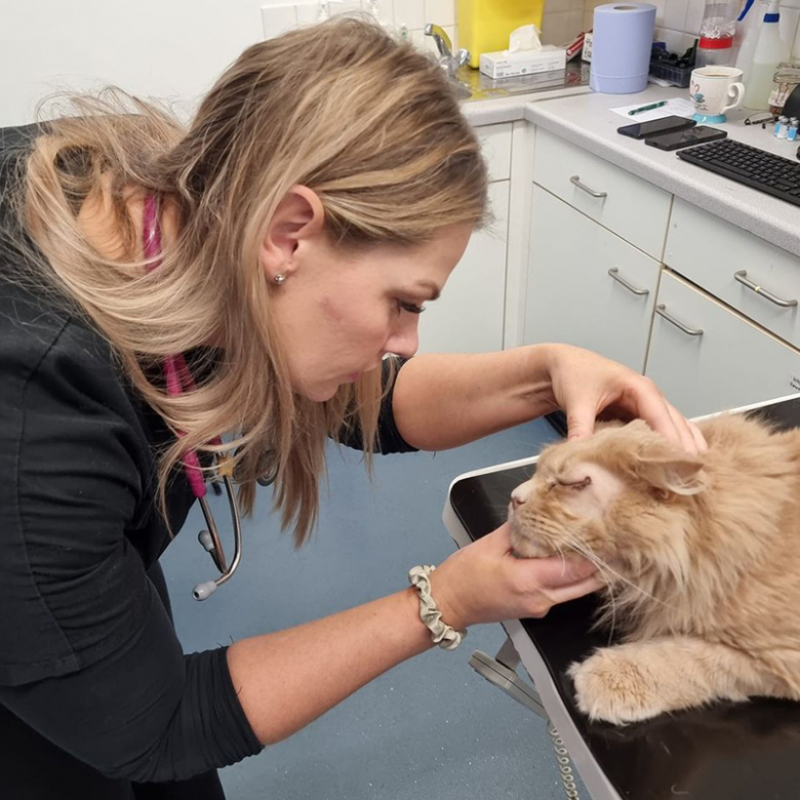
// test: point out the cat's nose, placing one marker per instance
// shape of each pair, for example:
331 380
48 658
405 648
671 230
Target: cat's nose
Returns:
520 495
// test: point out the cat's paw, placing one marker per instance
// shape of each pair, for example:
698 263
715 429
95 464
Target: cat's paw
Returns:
613 687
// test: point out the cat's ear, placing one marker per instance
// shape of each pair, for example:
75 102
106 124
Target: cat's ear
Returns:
679 475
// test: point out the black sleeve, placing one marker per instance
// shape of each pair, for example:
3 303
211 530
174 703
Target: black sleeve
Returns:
88 655
388 438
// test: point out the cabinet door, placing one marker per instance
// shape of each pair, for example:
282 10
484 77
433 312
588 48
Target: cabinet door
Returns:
731 363
496 148
572 298
468 317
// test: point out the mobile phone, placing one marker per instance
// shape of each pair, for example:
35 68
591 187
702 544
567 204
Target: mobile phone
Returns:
641 130
675 141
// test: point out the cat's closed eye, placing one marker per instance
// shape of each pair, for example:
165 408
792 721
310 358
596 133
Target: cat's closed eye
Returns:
576 485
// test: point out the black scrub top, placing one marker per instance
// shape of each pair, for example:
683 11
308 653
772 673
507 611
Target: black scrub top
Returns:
89 658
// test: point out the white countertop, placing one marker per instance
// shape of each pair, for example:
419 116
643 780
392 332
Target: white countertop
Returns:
492 111
586 121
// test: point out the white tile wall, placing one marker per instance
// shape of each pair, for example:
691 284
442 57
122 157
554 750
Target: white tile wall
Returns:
563 19
678 21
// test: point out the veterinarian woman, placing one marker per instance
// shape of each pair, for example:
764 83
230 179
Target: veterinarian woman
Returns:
162 287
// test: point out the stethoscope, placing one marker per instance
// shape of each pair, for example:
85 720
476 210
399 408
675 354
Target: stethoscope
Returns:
179 380
209 537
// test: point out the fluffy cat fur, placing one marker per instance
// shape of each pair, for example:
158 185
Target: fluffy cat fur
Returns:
701 557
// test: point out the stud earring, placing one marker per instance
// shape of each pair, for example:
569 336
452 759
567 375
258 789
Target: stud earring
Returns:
280 278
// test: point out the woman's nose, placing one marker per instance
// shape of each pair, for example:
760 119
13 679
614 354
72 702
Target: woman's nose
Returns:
405 342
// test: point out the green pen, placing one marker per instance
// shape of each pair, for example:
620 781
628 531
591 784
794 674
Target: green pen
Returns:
647 108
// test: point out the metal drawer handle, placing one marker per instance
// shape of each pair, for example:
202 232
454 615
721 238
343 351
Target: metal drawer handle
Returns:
575 180
614 273
661 310
741 276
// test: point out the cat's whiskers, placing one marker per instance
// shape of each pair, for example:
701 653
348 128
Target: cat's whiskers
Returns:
546 526
589 554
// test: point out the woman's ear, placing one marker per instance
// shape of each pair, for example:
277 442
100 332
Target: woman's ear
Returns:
298 218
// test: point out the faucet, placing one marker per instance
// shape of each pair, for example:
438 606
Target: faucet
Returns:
447 61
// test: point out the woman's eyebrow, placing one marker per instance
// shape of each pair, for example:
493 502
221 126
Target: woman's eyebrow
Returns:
435 291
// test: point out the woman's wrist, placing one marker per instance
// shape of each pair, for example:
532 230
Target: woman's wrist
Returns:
539 361
449 606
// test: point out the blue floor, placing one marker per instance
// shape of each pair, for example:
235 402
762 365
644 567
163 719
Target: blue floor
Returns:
429 728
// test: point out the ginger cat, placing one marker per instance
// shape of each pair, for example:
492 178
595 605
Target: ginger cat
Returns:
701 557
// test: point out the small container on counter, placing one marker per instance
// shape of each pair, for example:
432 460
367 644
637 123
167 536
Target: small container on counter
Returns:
791 134
781 128
786 77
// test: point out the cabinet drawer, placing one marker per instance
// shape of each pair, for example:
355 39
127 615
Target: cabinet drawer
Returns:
630 207
732 363
709 252
496 148
572 298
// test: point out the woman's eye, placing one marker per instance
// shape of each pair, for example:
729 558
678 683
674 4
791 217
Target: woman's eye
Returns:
410 307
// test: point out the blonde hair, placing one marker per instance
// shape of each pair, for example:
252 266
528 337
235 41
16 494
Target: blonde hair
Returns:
367 122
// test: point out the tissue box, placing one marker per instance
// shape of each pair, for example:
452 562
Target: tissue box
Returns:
524 62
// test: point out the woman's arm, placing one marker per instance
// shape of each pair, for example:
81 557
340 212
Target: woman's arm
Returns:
289 678
443 401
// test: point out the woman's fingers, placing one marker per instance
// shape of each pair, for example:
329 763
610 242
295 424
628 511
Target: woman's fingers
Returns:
554 572
665 419
581 416
573 591
699 439
654 410
687 440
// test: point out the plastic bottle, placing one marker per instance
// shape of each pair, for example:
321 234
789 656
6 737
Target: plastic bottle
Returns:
747 31
769 52
716 33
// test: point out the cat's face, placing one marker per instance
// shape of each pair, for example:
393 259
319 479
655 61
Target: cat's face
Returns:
607 496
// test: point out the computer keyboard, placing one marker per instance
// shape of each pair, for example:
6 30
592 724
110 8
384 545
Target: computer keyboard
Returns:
756 168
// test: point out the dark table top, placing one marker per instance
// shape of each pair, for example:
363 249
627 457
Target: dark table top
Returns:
730 751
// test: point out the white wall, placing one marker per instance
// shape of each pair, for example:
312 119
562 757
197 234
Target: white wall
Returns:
678 21
164 48
173 48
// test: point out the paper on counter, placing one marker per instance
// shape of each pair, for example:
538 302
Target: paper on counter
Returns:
676 107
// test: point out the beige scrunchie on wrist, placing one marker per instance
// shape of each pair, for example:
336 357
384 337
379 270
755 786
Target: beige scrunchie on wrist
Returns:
441 633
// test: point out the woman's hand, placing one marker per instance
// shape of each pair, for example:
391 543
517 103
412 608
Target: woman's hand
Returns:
586 385
484 582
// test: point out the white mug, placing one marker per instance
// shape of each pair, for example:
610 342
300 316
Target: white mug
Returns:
715 90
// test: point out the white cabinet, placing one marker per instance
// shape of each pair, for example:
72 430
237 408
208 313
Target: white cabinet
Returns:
585 285
468 317
708 358
714 254
631 207
496 148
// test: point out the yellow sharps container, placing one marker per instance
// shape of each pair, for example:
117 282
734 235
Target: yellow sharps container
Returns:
484 25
